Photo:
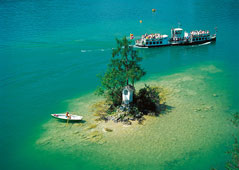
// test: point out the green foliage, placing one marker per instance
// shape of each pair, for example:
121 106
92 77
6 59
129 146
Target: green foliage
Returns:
148 99
123 69
127 60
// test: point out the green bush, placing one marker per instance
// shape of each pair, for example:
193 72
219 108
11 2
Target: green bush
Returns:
148 99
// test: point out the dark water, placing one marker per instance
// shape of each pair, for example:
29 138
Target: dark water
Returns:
51 51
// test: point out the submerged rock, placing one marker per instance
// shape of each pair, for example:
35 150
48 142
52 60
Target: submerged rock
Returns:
151 114
140 120
139 115
108 130
76 132
126 119
197 109
127 122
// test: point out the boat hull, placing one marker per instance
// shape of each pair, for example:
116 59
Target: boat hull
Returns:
179 43
63 117
193 43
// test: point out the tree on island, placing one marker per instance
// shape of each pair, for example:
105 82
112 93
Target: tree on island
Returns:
122 73
124 69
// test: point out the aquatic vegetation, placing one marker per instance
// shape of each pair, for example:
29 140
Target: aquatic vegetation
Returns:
233 164
100 110
211 69
92 126
235 119
95 136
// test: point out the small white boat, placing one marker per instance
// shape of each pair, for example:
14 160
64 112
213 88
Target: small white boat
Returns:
63 116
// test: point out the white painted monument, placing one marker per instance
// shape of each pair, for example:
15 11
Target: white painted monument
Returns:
127 94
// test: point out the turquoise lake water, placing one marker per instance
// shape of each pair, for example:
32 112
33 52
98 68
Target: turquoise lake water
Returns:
51 52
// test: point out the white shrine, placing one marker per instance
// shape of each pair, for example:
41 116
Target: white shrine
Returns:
127 94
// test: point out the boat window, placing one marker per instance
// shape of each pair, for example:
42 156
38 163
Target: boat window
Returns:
157 42
147 43
160 42
150 43
153 42
199 38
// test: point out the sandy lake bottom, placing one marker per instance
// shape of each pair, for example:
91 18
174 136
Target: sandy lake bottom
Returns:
193 134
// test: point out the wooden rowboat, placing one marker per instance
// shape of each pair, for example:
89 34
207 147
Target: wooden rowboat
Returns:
63 116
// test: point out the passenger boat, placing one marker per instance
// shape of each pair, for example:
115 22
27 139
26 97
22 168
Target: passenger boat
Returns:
178 37
63 116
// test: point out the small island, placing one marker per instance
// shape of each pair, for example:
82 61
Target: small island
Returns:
123 102
193 121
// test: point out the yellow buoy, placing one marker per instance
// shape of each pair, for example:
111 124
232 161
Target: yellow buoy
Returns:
153 10
140 21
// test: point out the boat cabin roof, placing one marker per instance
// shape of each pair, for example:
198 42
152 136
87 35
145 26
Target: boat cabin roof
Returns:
178 29
164 36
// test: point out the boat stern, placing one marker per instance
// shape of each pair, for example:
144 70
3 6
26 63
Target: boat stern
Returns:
139 42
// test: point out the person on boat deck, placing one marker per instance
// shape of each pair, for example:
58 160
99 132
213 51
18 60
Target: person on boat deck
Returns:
68 115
